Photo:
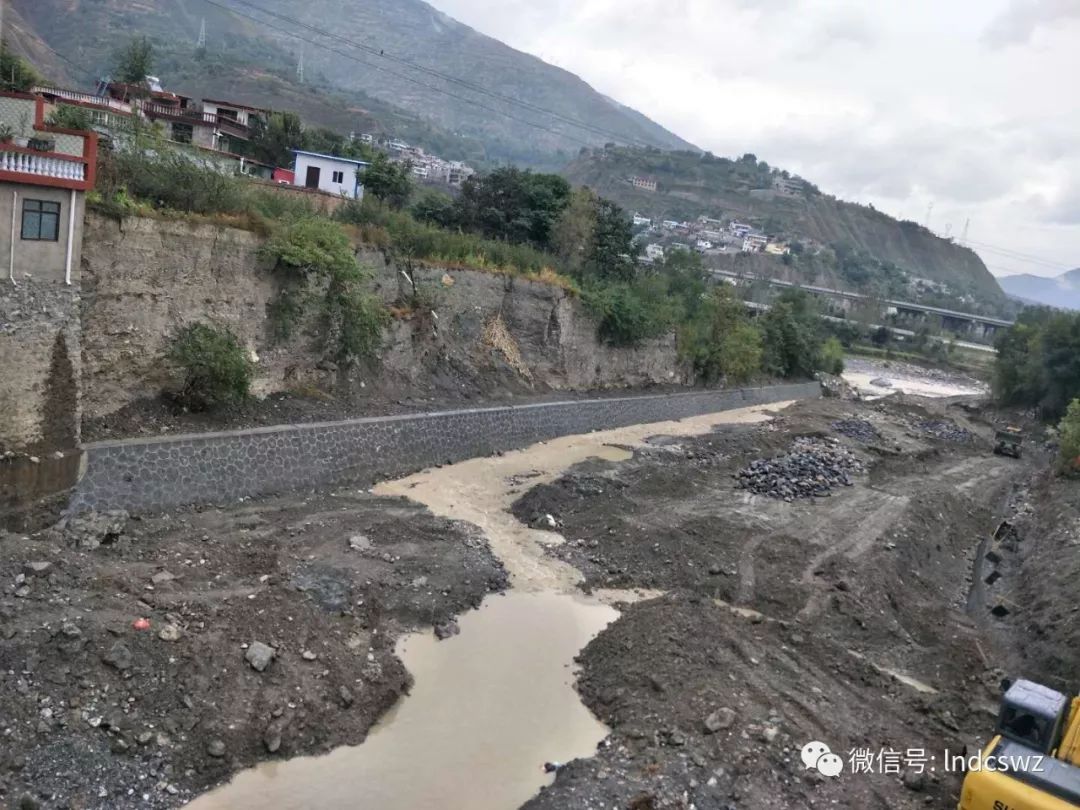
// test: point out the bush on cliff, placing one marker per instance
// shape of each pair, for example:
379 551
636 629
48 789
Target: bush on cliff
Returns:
314 253
216 368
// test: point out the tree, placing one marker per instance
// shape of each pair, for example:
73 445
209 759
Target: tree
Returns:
721 342
514 205
436 208
387 181
791 336
135 61
16 74
273 140
572 233
613 254
1069 429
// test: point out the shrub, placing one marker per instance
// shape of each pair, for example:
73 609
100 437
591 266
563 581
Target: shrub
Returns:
216 367
1069 430
68 116
319 250
630 313
312 247
173 180
356 319
831 357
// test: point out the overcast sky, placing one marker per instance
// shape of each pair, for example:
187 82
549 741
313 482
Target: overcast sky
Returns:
970 104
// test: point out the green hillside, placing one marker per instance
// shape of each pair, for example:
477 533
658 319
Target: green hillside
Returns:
863 247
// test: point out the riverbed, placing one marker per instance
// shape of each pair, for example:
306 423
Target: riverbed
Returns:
491 705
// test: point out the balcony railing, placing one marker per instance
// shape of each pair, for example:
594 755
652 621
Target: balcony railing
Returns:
65 170
84 98
196 118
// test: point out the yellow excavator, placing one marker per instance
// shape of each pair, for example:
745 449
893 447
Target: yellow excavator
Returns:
1033 760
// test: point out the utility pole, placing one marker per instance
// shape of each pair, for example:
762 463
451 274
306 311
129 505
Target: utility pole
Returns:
202 34
300 67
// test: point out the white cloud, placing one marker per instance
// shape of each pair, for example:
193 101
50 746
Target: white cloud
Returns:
1019 22
898 104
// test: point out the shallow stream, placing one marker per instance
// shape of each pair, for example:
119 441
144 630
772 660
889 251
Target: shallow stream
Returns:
491 705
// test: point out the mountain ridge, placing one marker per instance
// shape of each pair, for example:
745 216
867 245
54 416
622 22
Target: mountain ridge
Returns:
1061 292
386 34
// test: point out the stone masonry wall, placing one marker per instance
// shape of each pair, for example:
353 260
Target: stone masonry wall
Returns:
155 474
39 366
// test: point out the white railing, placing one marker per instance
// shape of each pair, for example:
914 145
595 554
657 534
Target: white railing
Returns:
42 165
86 98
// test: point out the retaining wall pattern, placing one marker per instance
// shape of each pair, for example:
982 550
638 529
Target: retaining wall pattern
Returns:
159 473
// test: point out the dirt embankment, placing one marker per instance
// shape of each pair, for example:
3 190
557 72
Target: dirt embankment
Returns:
100 714
1031 574
838 618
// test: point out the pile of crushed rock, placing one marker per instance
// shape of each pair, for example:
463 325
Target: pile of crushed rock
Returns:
947 431
812 469
858 429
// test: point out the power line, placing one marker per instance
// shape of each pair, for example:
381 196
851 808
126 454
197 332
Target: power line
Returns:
412 79
446 77
1029 258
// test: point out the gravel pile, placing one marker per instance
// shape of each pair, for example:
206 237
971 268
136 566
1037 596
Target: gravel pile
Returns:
858 429
813 468
947 431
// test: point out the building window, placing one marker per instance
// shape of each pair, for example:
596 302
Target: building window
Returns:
339 177
41 221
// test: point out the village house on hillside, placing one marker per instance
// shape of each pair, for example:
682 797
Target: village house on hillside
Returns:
220 133
45 173
329 173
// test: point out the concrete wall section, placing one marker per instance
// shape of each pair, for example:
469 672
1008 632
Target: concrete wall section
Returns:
154 474
33 259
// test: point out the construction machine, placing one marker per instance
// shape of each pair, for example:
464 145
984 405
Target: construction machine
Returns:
1009 442
1033 760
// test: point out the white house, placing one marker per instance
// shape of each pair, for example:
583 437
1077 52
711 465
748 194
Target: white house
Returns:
654 253
754 242
334 175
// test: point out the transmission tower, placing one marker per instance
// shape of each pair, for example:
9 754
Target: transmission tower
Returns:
948 230
202 35
929 211
300 67
964 235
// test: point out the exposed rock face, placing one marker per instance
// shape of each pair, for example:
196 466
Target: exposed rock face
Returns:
145 279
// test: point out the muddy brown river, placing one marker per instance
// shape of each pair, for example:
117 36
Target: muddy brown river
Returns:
491 705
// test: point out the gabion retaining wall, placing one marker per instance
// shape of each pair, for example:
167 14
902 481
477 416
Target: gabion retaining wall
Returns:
159 473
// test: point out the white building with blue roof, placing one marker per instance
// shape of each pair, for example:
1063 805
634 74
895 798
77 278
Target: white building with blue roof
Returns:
329 173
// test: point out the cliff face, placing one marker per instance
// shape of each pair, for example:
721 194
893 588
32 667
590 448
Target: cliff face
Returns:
143 279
